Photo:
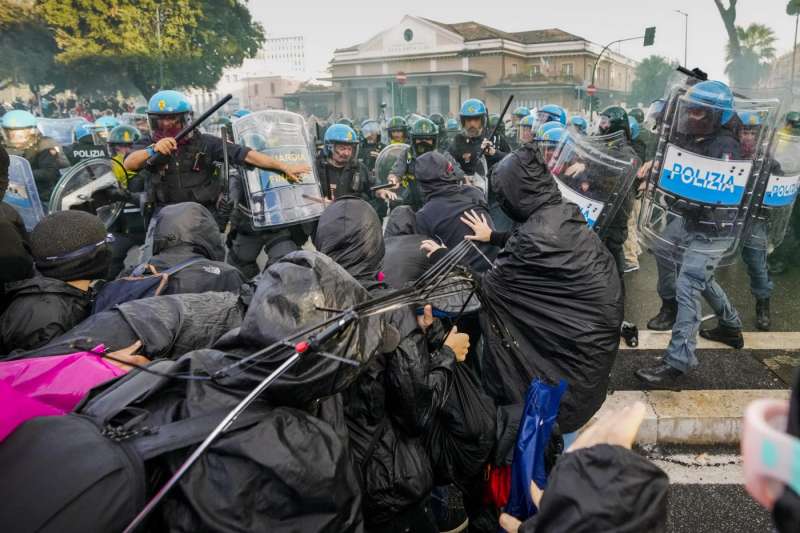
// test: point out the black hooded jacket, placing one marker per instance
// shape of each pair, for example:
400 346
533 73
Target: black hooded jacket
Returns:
446 200
396 397
185 231
40 310
553 305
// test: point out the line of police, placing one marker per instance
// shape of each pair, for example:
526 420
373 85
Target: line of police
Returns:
702 174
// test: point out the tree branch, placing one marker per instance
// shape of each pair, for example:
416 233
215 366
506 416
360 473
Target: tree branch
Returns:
729 20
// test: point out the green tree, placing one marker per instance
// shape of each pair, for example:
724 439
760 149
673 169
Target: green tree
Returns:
747 64
650 78
187 43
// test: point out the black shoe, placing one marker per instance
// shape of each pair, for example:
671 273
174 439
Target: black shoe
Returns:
661 375
762 314
630 333
724 334
776 267
665 318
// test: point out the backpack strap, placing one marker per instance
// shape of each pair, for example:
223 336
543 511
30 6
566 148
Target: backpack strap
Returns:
180 266
189 431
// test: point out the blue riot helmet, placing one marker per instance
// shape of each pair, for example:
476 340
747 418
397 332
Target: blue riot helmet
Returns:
579 124
341 144
107 122
706 107
473 108
550 139
19 129
371 131
749 132
544 128
168 113
525 129
243 112
451 126
521 112
633 124
122 138
83 133
552 112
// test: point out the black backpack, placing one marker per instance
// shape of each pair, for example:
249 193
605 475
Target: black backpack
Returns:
143 282
81 473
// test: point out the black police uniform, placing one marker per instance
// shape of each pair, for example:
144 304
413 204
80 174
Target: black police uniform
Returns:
80 151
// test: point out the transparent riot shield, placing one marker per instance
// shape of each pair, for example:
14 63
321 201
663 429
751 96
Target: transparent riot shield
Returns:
59 129
700 187
136 120
780 183
91 186
22 193
595 173
272 201
386 160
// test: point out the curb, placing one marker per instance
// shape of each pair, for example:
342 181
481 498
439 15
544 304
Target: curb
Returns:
753 340
691 416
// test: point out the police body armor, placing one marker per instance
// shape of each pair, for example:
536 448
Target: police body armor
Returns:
697 199
190 176
608 166
330 186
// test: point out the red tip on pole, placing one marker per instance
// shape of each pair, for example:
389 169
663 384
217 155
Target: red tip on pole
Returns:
302 347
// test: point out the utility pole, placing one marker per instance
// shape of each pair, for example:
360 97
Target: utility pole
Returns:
649 37
685 36
794 54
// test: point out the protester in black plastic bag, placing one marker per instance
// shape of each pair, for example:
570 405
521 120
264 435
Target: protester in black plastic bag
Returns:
399 394
552 304
185 322
600 485
183 232
70 251
403 261
446 200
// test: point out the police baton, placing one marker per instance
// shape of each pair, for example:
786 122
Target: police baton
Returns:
160 159
500 120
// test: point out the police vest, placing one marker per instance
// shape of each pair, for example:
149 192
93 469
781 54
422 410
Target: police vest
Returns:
189 176
349 179
79 152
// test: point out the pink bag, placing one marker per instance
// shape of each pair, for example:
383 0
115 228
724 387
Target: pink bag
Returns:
45 386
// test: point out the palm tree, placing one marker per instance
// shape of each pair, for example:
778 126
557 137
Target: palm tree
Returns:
756 51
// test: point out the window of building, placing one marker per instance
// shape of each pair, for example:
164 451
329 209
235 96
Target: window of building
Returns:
536 69
513 68
272 88
567 69
408 35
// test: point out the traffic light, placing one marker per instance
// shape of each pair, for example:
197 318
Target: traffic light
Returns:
649 36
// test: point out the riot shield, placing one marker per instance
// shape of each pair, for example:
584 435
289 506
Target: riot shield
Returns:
90 186
386 160
273 202
22 193
776 199
700 188
136 120
595 173
59 129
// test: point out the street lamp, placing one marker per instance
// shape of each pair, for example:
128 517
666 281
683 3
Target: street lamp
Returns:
685 35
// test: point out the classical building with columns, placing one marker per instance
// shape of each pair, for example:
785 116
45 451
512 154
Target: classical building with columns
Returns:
443 64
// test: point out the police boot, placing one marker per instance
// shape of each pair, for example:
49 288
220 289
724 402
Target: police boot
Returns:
665 318
762 314
630 333
659 376
724 334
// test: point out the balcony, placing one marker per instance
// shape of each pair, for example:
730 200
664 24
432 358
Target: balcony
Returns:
528 78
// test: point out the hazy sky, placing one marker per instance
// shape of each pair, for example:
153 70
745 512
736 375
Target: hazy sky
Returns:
327 25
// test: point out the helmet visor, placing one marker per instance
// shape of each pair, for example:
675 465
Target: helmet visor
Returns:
20 138
698 118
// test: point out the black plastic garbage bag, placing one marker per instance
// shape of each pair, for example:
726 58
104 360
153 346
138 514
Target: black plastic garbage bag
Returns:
553 301
168 326
404 261
463 435
291 472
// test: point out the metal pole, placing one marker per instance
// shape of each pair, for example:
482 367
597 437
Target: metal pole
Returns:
594 70
160 52
685 35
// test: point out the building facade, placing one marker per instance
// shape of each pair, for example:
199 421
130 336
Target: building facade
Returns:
427 66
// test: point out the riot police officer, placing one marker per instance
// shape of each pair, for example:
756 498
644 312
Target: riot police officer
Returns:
551 113
87 144
689 248
371 144
22 138
470 149
516 116
104 126
424 138
186 172
451 129
499 140
578 124
397 129
128 229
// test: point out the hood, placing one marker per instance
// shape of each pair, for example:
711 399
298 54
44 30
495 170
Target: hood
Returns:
402 221
522 183
188 225
603 489
349 232
435 175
